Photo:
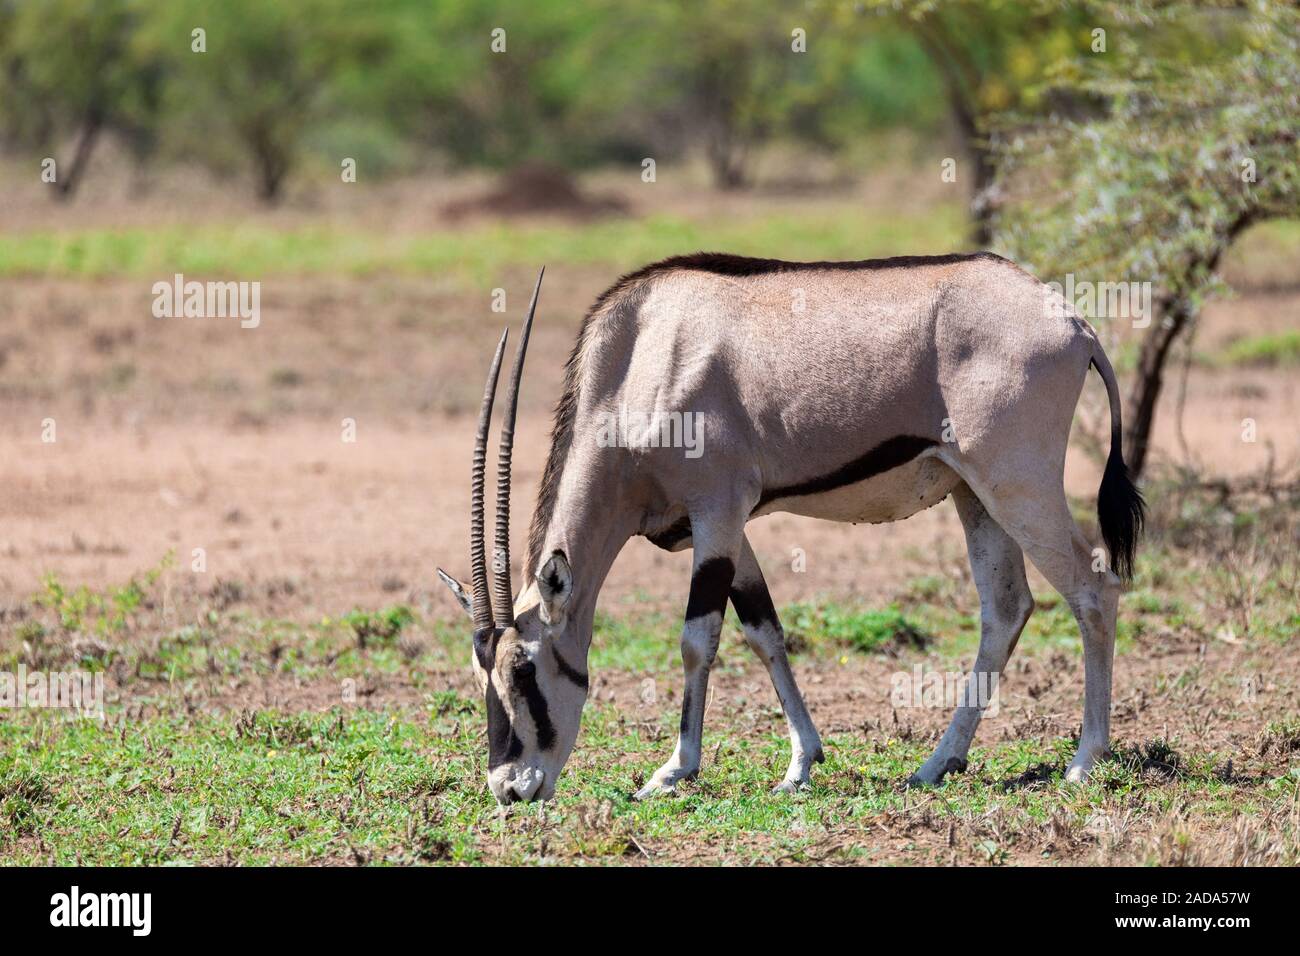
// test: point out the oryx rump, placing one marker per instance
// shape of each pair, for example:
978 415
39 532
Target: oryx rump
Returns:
853 391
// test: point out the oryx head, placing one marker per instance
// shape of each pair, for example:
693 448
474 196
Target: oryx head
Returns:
534 696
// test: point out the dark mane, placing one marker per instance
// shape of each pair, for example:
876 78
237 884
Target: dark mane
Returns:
723 264
718 263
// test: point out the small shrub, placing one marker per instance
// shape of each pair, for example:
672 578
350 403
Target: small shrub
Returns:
379 627
105 613
868 630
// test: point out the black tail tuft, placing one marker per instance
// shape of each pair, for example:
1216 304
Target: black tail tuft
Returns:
1120 511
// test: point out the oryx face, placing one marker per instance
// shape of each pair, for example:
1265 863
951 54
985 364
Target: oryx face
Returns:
533 694
533 697
533 689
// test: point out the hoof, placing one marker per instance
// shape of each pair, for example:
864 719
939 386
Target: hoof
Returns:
789 787
654 790
664 785
920 779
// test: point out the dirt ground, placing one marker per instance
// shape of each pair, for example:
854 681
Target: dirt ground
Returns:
175 434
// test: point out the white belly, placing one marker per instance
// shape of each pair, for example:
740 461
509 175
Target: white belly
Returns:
891 496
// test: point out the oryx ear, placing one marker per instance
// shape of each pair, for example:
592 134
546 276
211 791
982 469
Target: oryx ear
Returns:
554 584
458 590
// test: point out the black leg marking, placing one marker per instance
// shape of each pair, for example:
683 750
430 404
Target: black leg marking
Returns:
709 588
753 603
685 725
570 672
890 453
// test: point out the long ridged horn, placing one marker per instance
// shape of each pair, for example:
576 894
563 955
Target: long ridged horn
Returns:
477 552
503 602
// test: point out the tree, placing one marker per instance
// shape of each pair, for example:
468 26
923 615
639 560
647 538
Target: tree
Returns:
265 74
991 59
52 89
1191 151
730 72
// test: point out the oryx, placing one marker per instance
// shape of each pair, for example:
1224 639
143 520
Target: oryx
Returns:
852 391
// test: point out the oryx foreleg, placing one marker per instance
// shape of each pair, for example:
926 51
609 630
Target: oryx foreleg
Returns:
763 633
717 546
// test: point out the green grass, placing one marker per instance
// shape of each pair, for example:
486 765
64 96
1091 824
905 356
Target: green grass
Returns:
167 779
363 786
474 254
1282 348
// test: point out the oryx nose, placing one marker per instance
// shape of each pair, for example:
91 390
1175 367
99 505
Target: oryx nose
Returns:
523 787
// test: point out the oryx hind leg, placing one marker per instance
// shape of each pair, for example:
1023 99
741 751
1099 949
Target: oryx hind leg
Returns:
716 538
763 634
1034 511
998 567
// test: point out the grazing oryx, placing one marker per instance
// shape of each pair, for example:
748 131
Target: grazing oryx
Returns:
852 391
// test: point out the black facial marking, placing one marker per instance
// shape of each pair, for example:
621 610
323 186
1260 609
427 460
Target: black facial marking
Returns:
709 588
503 744
753 603
485 647
890 453
571 673
524 679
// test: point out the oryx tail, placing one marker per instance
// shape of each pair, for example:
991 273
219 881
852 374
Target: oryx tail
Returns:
1120 508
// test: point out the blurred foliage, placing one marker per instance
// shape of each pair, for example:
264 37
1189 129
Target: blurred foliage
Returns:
92 74
1197 142
1189 150
399 84
403 84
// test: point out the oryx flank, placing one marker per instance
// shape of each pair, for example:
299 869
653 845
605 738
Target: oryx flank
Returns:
851 391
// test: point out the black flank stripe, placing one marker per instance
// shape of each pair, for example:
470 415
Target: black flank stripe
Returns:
709 588
890 453
672 536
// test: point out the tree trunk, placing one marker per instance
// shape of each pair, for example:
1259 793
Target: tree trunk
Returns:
1141 414
272 164
959 77
725 151
68 182
1176 314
